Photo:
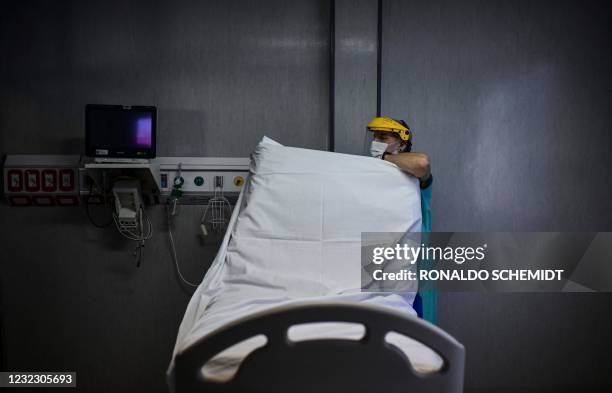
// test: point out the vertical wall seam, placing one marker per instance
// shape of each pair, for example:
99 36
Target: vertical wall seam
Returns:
332 72
379 61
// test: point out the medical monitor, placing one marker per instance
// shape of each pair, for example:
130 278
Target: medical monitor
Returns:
120 131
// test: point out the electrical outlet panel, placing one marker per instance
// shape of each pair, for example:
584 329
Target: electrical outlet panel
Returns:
199 181
202 176
47 180
41 180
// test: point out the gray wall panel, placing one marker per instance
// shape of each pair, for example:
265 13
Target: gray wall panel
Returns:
73 299
511 101
222 74
355 72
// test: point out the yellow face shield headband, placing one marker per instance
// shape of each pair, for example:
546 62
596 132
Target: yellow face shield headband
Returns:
386 124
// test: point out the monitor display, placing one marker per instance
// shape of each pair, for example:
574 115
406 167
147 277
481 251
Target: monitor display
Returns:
120 131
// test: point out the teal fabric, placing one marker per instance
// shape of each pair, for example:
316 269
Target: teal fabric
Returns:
426 208
429 296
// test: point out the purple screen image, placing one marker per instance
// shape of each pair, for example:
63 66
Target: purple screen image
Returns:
121 129
143 131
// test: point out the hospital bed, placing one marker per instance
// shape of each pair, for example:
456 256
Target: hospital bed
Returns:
282 307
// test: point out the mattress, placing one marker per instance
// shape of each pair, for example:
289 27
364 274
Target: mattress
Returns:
295 234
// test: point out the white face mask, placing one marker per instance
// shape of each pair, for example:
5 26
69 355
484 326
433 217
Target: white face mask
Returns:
378 148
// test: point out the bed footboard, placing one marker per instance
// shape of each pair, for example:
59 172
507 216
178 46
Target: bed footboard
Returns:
329 365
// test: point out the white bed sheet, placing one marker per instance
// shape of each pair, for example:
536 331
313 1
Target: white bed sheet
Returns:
295 235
